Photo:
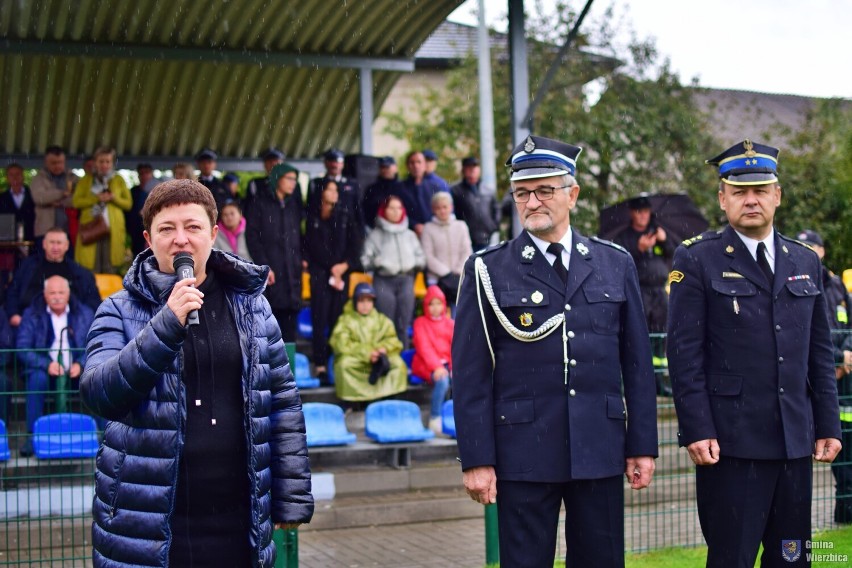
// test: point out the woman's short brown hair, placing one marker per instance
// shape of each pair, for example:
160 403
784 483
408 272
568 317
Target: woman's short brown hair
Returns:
178 192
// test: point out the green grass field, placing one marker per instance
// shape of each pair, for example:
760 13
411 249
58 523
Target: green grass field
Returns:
695 557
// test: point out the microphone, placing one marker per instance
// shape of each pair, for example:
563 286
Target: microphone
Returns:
185 268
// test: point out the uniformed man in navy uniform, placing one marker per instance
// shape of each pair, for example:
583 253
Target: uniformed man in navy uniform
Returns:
350 190
752 372
206 162
552 376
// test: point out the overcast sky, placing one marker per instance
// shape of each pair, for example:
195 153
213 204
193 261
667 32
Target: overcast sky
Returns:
774 46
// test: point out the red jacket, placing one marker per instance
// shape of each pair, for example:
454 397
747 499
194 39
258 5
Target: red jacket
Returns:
433 338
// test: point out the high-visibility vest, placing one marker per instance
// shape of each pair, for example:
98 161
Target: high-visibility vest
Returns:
846 413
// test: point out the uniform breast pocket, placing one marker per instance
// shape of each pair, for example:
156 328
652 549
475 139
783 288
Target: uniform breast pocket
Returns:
800 301
605 308
526 309
734 304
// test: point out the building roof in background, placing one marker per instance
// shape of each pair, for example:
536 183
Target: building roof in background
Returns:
736 115
168 78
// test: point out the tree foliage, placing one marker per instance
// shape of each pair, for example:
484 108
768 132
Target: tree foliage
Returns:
816 180
644 132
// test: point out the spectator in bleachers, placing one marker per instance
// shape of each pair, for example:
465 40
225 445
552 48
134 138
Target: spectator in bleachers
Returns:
271 157
350 191
52 260
232 184
419 191
205 160
51 189
388 184
232 230
367 364
6 342
433 340
432 165
273 236
50 341
16 201
133 218
102 194
182 170
446 245
332 249
474 206
394 255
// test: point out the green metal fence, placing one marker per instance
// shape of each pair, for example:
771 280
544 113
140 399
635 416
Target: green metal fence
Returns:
45 504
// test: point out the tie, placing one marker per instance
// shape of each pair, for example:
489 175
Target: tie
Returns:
763 262
561 271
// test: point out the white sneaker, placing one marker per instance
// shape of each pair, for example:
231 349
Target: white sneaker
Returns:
435 425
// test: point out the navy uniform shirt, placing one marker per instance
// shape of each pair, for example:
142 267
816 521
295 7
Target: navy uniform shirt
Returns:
553 409
751 364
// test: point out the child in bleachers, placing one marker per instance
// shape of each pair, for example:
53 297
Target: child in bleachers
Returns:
367 365
433 337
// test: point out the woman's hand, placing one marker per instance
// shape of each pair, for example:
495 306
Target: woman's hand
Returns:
184 299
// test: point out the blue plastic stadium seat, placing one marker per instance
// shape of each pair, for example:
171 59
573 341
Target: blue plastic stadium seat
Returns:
408 356
65 436
389 421
325 425
303 323
4 443
448 419
302 372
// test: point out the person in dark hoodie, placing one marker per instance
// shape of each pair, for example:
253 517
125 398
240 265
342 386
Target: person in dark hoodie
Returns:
273 236
206 450
332 249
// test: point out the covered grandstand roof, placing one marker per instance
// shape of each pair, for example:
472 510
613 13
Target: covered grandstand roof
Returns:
164 79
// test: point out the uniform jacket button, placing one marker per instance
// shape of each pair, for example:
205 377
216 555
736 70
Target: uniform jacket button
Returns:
572 392
573 362
570 335
567 307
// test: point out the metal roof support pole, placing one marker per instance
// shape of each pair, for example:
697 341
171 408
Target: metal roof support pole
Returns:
560 59
520 84
365 80
520 71
486 108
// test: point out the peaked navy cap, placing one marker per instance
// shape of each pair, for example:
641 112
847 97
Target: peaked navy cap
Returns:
747 163
538 157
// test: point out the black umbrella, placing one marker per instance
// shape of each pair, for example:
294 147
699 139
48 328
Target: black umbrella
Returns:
674 212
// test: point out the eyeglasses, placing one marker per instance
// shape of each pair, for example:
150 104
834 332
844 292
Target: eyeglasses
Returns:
542 193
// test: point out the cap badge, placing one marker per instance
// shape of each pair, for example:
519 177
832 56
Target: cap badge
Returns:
749 148
537 297
529 145
526 319
528 252
729 249
582 249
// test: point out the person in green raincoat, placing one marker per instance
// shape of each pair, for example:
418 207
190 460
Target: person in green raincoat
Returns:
367 364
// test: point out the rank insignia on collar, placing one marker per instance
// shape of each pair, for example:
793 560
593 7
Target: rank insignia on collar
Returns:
784 248
529 145
729 249
537 297
528 252
582 249
526 319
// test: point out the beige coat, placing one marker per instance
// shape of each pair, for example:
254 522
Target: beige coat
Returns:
446 246
46 196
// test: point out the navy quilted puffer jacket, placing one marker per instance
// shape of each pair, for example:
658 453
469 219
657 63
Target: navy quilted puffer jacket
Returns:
133 378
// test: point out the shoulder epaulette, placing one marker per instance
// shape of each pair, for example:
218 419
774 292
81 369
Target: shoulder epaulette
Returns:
492 248
798 242
708 236
608 243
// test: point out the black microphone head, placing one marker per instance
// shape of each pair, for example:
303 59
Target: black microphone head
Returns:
183 259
